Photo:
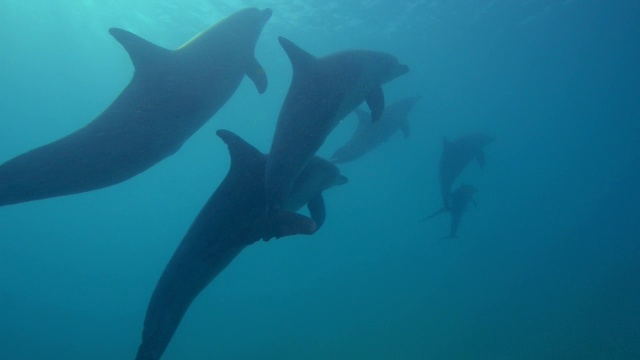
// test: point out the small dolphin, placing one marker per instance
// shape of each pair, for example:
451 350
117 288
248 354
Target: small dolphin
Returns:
456 155
369 135
171 95
235 216
459 202
322 92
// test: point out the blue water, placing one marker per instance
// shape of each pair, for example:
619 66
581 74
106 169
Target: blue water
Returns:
547 266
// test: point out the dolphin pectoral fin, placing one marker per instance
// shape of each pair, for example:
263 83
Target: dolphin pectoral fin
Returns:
340 180
285 223
480 159
256 73
434 214
300 59
405 129
375 100
317 210
144 54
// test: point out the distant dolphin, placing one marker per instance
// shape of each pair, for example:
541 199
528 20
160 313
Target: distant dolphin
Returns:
369 135
459 202
456 155
235 216
322 92
171 95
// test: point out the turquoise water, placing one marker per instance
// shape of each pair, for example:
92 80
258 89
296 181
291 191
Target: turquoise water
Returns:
546 266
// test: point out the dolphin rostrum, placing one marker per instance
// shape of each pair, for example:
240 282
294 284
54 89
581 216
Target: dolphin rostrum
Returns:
369 135
456 155
171 95
234 217
322 92
459 202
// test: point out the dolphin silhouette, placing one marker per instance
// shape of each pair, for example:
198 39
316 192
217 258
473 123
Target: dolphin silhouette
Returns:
322 92
234 217
370 135
171 95
456 155
459 202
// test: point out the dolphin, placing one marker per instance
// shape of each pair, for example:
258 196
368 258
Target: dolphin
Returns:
322 92
459 202
369 135
170 96
456 155
234 217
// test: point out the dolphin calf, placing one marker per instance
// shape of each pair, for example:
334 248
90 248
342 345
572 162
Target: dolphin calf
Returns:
322 92
456 155
459 202
369 135
234 217
171 95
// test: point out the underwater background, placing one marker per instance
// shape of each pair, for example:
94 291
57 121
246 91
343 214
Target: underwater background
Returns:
547 266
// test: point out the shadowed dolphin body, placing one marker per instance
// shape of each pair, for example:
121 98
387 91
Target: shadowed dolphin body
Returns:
171 95
322 92
459 202
456 155
369 135
235 216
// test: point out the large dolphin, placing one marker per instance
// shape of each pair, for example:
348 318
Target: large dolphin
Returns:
322 92
171 95
459 202
235 216
369 135
456 155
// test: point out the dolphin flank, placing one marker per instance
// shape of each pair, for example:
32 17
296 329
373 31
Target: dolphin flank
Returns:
322 92
369 135
459 202
234 216
456 155
170 96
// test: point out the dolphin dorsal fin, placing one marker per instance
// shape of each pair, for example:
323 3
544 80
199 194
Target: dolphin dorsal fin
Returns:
144 54
241 152
300 58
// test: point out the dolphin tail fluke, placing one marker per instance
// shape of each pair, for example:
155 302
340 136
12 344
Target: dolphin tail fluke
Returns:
435 214
283 223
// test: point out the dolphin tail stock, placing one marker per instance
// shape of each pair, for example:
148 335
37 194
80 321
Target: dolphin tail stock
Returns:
281 223
443 210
